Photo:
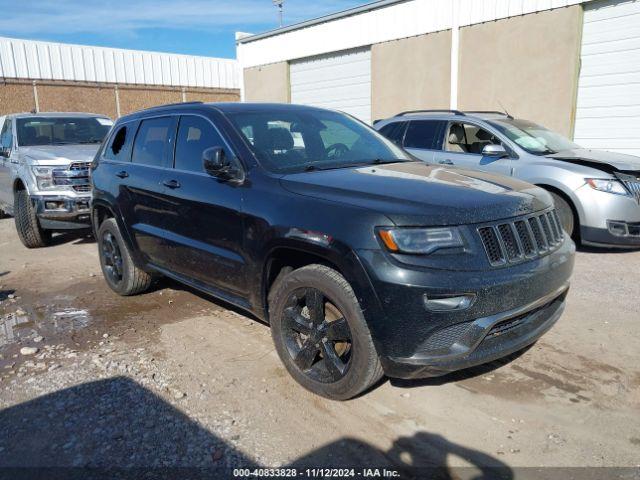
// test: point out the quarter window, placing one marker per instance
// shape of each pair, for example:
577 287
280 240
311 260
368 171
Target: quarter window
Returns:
195 135
152 144
120 145
394 131
425 134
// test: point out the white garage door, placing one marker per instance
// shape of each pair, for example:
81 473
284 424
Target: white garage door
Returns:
608 108
340 81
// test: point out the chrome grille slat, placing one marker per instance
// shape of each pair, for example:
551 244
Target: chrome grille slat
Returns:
522 238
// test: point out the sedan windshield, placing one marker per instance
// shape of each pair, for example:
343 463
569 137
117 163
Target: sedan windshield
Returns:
532 137
34 131
286 141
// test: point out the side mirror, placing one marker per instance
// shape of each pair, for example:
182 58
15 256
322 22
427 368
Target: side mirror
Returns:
494 151
5 152
216 164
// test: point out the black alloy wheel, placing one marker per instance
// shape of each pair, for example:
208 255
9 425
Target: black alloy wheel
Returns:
112 257
317 336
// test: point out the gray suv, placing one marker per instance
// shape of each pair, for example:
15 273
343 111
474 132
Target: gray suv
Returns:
44 171
597 193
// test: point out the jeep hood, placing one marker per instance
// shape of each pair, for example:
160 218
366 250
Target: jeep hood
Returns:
599 159
415 193
59 154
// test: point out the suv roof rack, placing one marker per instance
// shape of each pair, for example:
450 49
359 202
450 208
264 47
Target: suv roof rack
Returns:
409 112
506 114
173 105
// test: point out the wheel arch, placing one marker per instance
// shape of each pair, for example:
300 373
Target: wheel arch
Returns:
298 254
570 199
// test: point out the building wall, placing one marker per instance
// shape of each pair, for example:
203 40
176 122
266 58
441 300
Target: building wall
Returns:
18 96
410 74
65 97
527 65
267 83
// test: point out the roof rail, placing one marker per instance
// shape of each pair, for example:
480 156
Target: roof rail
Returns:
408 112
173 105
506 114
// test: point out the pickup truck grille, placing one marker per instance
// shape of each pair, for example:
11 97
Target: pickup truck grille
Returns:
521 239
631 180
76 176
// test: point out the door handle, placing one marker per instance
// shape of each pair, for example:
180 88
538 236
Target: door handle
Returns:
171 183
122 174
445 162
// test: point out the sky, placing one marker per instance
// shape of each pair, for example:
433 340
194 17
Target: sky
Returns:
194 27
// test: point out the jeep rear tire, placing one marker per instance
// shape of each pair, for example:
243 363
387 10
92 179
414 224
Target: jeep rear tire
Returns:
120 273
31 234
320 333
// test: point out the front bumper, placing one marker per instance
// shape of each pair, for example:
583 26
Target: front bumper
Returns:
59 212
513 307
618 234
607 219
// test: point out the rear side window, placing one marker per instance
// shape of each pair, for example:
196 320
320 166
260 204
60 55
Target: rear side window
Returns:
119 146
195 135
394 131
153 142
425 134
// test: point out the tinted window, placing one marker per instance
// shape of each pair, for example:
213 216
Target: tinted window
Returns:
119 147
6 137
394 131
61 130
424 134
286 140
195 134
152 144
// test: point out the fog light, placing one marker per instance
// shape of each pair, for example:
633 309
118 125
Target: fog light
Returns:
53 205
448 304
618 228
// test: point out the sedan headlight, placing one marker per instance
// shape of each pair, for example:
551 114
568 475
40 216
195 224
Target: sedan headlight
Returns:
44 177
609 186
420 240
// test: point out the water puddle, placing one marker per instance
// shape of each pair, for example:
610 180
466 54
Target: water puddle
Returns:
41 322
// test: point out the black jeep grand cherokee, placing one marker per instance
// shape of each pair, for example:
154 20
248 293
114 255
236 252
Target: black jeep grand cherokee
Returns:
362 260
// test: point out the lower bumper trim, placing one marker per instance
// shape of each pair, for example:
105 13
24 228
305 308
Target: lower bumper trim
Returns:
485 339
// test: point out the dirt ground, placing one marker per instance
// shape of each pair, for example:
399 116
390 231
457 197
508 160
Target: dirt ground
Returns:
174 378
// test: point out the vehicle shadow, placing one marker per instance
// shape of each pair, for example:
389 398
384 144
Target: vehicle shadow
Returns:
4 294
75 237
116 428
600 250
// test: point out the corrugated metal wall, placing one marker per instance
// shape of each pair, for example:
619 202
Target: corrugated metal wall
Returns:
401 20
56 61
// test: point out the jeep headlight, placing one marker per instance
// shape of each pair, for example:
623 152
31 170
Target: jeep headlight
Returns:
44 177
420 240
605 185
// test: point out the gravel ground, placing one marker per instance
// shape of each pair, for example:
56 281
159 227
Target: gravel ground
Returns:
173 378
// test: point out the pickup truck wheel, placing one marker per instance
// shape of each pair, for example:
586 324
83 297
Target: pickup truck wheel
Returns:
565 213
121 274
31 234
320 333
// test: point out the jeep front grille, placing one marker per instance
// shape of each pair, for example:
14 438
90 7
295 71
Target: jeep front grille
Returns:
523 238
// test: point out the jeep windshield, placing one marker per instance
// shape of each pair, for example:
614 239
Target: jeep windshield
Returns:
286 141
37 131
532 137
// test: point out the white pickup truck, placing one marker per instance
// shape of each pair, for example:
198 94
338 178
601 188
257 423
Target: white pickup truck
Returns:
44 171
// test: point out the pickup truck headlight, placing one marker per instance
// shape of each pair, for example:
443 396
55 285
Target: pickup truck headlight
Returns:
605 185
420 240
44 177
